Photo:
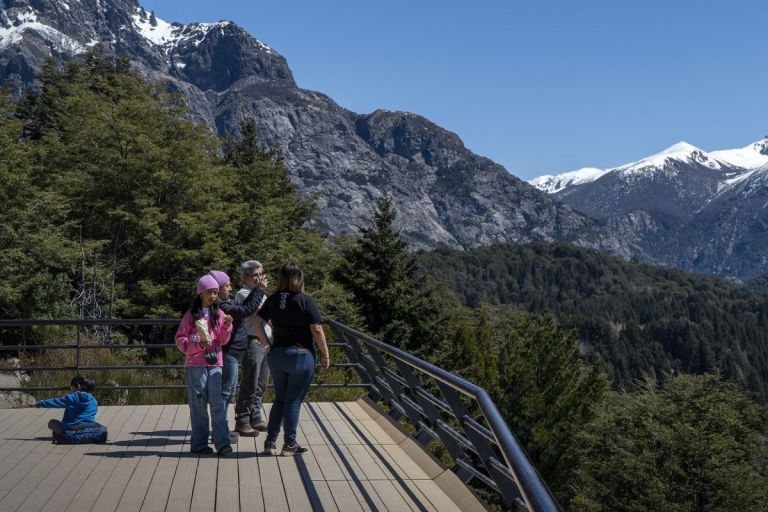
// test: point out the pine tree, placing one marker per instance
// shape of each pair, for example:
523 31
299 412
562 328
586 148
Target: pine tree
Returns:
381 274
690 443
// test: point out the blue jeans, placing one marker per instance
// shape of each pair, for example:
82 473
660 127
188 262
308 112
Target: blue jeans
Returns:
292 369
228 379
252 385
204 388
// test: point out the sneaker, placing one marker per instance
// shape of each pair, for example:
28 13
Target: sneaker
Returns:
269 448
291 450
259 425
203 451
225 450
246 430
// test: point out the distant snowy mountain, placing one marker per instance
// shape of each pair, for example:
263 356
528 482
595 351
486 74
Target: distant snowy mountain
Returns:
685 207
551 184
732 162
750 157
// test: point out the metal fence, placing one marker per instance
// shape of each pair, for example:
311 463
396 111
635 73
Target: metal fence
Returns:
149 335
438 405
447 409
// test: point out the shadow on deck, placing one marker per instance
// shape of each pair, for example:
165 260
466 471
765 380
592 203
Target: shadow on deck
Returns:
358 460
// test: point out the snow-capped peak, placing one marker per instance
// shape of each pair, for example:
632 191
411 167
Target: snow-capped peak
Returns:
749 157
665 160
555 183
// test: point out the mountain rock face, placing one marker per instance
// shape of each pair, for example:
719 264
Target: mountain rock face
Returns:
704 212
446 195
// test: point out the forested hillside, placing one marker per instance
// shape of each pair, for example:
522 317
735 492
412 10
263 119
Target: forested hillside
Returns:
640 319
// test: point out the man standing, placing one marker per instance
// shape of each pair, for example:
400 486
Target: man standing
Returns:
239 309
253 383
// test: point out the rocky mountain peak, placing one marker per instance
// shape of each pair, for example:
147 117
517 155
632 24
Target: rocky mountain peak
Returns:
447 196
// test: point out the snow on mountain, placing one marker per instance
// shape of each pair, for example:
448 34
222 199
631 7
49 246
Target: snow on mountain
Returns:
749 157
732 162
682 152
555 183
27 22
156 30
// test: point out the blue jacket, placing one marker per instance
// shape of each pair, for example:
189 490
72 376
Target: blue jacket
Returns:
79 408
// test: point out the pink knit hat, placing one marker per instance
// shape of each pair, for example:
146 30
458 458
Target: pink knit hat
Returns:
221 277
207 282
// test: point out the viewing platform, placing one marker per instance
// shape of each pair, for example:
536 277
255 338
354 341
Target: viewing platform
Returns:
357 460
377 453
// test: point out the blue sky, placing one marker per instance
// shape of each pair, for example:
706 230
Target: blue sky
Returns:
538 86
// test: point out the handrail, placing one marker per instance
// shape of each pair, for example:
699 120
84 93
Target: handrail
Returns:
78 347
532 488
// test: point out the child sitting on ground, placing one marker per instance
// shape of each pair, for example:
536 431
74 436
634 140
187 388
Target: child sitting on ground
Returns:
80 409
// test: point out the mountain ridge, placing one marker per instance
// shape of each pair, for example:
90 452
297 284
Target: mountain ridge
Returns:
448 196
684 207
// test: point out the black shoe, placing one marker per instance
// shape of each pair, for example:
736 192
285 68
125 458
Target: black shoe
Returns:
56 427
269 448
291 450
225 450
204 451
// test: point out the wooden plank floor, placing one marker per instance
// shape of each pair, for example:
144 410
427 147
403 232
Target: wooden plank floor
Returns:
353 464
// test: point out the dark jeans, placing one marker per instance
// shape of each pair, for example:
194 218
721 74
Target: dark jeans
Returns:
253 383
292 369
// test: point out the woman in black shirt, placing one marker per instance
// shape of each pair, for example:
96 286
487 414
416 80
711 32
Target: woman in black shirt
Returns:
296 328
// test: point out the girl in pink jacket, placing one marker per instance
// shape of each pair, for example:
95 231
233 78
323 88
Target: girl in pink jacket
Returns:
204 329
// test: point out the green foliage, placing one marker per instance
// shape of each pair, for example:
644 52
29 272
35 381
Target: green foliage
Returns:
637 318
35 253
397 306
131 201
759 284
539 382
692 443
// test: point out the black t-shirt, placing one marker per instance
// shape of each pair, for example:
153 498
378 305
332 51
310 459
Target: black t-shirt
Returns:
291 315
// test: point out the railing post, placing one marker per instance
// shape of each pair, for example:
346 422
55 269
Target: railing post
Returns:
77 351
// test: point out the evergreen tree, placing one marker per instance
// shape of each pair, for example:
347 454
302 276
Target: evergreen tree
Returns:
378 270
691 443
36 256
544 389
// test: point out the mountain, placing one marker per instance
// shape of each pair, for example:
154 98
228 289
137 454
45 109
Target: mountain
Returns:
683 207
446 195
551 184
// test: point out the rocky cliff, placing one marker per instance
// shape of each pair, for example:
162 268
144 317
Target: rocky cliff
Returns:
446 195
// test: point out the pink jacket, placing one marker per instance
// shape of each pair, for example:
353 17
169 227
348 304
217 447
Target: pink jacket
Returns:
195 354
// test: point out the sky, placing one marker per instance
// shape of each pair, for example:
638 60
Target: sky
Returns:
538 86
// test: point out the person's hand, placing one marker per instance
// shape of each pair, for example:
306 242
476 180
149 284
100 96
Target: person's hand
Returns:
227 320
325 361
262 281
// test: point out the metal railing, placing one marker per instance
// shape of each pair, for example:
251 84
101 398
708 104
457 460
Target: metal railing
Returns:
162 337
437 404
487 452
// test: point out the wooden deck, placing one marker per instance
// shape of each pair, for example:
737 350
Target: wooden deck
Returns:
358 460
